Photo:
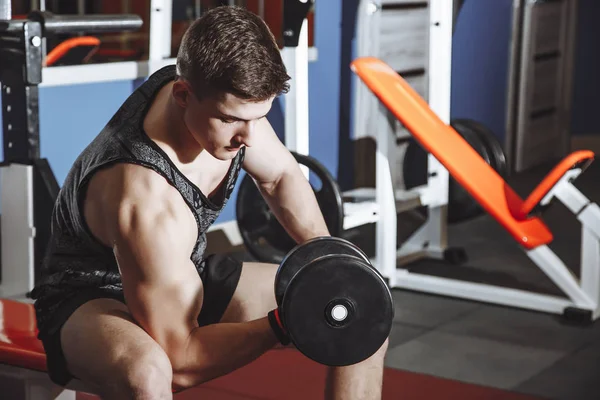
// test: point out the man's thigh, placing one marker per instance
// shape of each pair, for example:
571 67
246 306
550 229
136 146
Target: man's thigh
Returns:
254 295
102 345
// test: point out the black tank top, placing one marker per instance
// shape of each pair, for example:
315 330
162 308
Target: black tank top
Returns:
75 261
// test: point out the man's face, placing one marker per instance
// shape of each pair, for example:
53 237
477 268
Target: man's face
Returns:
222 125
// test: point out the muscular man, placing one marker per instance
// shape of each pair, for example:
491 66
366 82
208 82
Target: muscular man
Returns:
129 302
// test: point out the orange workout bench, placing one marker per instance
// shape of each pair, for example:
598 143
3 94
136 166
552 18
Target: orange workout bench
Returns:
520 217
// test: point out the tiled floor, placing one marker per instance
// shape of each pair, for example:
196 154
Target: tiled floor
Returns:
513 349
499 347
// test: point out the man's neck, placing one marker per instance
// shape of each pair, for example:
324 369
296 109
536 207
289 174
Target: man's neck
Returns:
165 125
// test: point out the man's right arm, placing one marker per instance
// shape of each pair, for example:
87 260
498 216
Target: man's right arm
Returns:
152 233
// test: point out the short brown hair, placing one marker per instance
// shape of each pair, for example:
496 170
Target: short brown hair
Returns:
231 50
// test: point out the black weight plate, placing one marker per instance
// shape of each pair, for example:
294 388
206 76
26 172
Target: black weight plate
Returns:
263 235
488 138
304 253
338 280
461 205
414 165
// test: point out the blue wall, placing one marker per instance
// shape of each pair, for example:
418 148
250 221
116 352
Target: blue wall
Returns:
70 116
480 61
480 58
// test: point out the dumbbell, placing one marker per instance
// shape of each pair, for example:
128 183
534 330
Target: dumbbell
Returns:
335 307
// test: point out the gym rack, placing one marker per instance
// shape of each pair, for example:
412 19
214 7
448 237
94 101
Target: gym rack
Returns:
29 187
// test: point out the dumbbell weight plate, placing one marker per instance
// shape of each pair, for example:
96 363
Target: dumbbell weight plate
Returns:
338 310
488 138
264 237
461 205
304 253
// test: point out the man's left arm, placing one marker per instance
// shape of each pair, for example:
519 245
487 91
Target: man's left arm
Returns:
283 185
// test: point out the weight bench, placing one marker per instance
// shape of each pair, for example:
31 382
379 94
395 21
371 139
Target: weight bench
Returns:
22 357
520 217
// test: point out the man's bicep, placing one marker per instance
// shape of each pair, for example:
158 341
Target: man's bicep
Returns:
268 158
159 282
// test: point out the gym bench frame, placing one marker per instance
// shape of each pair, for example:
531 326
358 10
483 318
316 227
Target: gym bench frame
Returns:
519 217
382 204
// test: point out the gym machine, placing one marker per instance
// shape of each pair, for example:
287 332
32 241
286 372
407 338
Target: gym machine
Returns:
28 186
581 294
521 218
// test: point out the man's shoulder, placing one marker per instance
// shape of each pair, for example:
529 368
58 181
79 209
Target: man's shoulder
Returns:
133 183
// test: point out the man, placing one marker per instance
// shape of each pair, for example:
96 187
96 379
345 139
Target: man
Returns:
129 302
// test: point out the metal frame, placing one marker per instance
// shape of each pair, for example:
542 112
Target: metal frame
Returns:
110 72
25 176
580 294
5 10
512 107
160 29
18 230
383 204
430 240
159 56
295 59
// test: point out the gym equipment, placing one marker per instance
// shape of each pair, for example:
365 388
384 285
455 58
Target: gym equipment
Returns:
29 188
520 217
489 140
295 57
461 206
74 51
26 223
263 235
336 308
302 255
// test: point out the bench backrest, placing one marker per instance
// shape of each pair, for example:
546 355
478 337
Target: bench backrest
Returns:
465 165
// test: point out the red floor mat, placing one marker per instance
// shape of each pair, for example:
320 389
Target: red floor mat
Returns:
286 374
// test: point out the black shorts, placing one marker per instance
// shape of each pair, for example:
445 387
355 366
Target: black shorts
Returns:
220 278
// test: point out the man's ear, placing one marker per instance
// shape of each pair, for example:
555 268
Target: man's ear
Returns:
181 92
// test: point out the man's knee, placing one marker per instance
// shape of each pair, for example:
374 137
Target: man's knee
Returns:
149 376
